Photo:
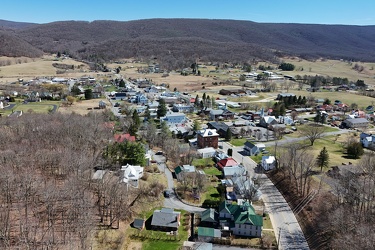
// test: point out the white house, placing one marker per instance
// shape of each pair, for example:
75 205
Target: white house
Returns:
174 118
268 162
132 174
207 152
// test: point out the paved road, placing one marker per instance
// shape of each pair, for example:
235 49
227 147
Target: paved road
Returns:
173 201
287 229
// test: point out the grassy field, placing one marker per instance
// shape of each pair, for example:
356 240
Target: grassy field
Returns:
30 68
203 162
212 171
333 68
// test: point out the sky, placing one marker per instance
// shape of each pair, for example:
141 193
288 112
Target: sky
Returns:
349 12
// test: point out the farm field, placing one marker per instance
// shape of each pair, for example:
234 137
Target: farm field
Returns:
332 68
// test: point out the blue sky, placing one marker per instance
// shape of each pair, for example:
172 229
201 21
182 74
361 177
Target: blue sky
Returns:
266 11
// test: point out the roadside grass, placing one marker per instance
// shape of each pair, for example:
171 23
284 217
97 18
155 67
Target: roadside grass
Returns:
267 224
238 142
297 134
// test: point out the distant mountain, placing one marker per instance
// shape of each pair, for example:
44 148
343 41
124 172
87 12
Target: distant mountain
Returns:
4 24
215 40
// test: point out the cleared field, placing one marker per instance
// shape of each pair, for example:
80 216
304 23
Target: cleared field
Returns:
30 68
84 107
333 68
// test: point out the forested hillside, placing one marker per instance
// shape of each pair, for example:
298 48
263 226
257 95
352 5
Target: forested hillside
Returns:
211 39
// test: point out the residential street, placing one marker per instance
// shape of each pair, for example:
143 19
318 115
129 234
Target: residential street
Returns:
287 229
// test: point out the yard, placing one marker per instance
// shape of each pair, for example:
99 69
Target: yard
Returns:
152 239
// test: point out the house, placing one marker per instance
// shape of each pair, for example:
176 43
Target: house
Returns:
102 105
228 162
166 219
221 128
173 118
206 152
183 108
139 224
250 148
241 220
219 156
120 96
132 174
124 137
221 114
140 99
367 140
182 171
208 234
268 162
209 217
266 121
356 123
208 138
230 172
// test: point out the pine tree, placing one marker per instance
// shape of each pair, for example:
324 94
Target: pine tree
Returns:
162 108
228 135
323 159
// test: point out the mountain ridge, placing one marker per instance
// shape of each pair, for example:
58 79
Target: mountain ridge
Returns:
83 39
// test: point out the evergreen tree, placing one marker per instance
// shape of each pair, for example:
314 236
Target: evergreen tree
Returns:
147 114
299 101
318 117
323 159
88 94
354 149
136 119
196 102
75 90
230 152
121 83
162 108
228 135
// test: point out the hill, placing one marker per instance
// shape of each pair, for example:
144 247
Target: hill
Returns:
221 40
13 46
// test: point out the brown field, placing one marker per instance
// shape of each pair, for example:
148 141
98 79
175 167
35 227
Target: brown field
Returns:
41 67
83 107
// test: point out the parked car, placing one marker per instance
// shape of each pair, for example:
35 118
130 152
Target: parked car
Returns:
167 193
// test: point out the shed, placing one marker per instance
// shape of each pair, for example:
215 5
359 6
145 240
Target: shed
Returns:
139 223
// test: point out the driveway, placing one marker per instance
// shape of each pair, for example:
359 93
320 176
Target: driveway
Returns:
173 201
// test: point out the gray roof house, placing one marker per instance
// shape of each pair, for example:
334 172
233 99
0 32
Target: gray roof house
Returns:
166 219
356 123
251 149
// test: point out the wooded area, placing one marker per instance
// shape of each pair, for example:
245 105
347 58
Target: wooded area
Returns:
48 197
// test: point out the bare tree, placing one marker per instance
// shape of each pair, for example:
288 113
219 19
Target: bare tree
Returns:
312 132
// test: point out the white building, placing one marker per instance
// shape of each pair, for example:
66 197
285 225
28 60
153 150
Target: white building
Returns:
132 174
207 152
268 162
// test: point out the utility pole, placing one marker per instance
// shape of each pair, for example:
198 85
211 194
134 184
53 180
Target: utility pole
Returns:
278 241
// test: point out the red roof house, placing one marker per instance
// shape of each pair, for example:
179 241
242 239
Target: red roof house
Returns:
228 162
122 137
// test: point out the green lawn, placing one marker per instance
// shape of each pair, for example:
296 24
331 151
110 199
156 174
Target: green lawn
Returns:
238 142
152 239
33 107
211 193
212 171
203 162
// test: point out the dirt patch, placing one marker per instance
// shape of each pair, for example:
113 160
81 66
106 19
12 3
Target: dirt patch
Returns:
134 246
84 107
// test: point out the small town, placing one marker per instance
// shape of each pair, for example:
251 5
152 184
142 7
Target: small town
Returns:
200 125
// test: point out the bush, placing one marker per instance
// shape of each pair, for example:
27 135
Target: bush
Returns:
145 176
